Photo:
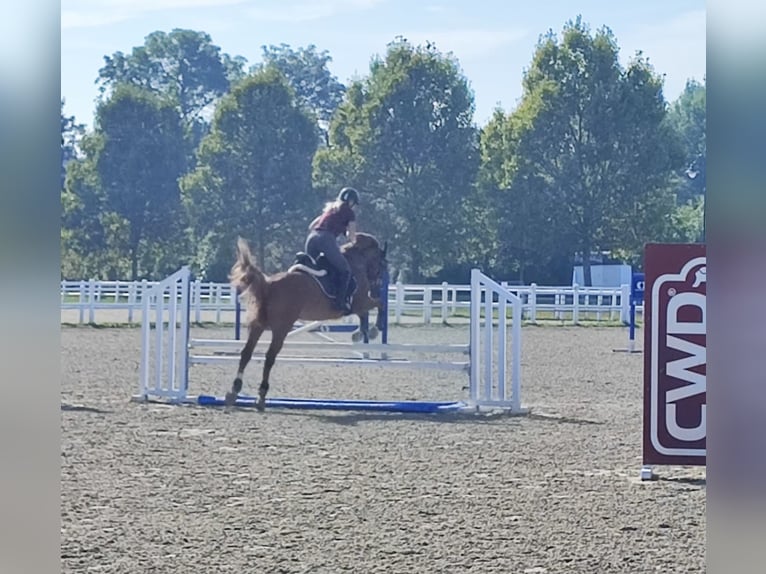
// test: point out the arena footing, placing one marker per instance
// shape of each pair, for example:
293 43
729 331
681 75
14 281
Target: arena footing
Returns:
342 405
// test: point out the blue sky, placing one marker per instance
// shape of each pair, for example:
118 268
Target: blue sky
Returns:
494 40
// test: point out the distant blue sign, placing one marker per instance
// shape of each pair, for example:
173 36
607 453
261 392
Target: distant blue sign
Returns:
637 288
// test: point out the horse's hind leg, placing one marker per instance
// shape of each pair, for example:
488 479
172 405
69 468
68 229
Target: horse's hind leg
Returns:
244 358
277 340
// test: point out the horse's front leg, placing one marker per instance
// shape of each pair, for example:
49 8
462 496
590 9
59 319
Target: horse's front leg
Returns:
364 328
381 320
379 325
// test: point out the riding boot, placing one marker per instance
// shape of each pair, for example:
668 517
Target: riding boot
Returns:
341 299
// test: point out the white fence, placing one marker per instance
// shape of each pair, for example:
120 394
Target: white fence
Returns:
122 301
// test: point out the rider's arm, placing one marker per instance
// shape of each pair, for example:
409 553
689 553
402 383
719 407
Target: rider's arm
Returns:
313 223
351 231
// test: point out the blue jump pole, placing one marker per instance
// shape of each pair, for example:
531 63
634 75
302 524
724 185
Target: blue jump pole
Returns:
636 297
341 405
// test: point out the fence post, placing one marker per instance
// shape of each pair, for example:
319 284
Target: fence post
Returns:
197 300
532 301
575 304
504 285
599 303
82 301
445 293
218 301
91 301
426 305
625 303
399 302
131 300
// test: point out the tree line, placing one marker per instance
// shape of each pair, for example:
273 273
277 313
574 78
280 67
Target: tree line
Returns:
191 147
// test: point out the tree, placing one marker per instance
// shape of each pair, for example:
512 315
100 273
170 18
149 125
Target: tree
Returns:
306 70
139 161
71 134
93 239
688 116
253 176
598 140
522 214
183 64
405 136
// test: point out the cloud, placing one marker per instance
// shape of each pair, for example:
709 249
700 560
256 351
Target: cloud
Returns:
283 11
467 43
93 13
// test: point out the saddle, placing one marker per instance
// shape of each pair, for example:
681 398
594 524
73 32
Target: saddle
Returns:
322 271
320 265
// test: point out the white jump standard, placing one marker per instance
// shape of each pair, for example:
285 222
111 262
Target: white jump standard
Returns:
168 353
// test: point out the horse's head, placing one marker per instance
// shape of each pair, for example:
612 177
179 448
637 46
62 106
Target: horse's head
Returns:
372 257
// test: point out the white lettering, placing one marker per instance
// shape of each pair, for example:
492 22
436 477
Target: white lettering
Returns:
683 327
685 434
679 369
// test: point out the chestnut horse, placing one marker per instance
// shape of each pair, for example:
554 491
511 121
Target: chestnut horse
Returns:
276 302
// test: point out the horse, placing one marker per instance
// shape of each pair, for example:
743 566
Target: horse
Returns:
276 302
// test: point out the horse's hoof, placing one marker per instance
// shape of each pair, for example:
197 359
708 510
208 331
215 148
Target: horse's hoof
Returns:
260 406
356 336
231 399
373 334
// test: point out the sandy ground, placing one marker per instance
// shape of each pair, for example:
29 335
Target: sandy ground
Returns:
153 488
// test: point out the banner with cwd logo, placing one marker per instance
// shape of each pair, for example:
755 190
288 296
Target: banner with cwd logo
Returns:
675 355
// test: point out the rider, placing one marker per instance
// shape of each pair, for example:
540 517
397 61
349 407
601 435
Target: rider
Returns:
337 218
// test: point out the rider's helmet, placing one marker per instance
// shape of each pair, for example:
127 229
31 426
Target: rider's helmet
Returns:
349 195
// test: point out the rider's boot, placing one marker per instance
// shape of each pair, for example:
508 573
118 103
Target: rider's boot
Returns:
342 301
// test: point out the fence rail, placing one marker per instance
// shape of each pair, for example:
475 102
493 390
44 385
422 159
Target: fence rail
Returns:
84 301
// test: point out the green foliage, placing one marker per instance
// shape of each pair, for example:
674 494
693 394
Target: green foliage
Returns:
688 118
589 156
253 176
316 89
591 159
184 65
71 133
138 163
93 239
404 135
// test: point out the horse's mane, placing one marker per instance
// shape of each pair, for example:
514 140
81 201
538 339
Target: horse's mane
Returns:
362 242
358 252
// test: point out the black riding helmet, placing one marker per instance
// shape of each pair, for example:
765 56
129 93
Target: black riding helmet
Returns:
349 195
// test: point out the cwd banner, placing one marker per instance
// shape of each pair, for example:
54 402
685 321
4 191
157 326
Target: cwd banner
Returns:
675 356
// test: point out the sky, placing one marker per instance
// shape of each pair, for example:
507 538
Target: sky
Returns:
493 40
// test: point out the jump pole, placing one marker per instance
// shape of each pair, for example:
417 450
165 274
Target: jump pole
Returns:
636 296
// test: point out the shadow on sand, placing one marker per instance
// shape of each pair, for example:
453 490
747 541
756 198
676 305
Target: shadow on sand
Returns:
82 409
691 481
353 418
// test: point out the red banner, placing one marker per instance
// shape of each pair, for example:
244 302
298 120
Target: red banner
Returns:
675 354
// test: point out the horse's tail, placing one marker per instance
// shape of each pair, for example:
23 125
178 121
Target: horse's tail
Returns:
246 277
